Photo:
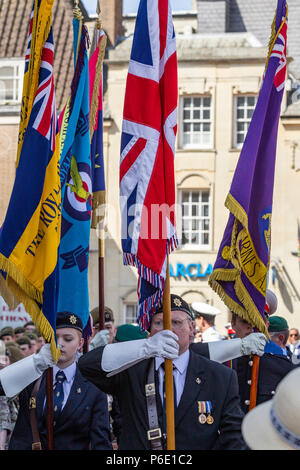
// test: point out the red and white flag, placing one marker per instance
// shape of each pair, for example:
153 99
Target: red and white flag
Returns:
147 182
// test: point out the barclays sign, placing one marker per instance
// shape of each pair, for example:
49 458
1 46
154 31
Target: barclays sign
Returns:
192 271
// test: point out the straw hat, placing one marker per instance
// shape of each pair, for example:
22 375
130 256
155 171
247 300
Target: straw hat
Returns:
275 424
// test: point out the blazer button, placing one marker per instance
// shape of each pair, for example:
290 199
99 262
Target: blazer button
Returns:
250 363
249 382
247 402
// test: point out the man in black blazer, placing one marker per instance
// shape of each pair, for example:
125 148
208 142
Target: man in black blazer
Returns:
82 420
207 411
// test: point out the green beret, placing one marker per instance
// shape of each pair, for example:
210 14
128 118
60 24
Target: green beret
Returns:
23 340
7 331
277 324
129 332
14 353
19 329
30 335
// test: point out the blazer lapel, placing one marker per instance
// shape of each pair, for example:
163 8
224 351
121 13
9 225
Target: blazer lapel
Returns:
41 399
75 397
194 381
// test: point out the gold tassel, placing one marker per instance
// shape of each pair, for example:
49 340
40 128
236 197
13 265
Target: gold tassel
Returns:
38 318
14 273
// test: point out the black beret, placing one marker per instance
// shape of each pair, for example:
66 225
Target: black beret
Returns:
68 320
177 303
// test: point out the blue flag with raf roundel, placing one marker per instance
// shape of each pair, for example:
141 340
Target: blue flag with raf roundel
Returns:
76 183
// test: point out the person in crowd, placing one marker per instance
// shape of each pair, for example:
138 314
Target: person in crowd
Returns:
231 334
33 341
29 326
293 345
279 333
125 332
205 315
80 409
124 369
7 334
40 340
9 354
275 425
4 408
19 331
25 345
273 365
109 323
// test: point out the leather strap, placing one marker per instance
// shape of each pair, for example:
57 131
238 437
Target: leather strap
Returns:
36 445
154 434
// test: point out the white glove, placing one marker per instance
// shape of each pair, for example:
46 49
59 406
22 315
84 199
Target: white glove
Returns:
120 356
100 339
253 344
222 351
43 359
17 376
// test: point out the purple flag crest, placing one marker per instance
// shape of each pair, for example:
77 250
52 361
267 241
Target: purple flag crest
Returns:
240 271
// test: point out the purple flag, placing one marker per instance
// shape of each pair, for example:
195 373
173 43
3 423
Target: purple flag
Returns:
240 271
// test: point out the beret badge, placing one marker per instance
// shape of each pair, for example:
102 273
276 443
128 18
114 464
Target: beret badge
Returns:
73 319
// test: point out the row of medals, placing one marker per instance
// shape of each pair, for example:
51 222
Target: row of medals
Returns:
203 418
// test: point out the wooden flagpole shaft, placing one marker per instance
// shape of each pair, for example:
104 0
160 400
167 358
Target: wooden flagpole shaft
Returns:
101 281
254 382
49 407
170 415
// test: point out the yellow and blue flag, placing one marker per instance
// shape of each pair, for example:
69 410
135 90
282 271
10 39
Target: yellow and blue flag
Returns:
76 186
30 235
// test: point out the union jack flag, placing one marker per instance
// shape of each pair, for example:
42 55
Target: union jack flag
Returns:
279 51
46 119
147 185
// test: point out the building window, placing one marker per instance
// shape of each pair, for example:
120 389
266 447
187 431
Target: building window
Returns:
195 219
244 108
130 313
11 81
196 129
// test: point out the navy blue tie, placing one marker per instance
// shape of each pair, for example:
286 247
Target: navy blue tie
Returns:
58 393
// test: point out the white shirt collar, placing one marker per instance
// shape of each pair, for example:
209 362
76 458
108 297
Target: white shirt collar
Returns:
181 362
69 372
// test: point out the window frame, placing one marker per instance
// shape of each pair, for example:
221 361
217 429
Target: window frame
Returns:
191 246
17 80
194 146
127 304
237 145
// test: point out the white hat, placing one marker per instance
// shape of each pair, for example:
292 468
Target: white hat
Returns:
271 301
206 309
275 424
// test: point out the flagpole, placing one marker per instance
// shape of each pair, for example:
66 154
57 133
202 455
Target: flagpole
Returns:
170 414
254 382
101 244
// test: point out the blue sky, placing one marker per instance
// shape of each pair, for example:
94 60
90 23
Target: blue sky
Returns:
130 6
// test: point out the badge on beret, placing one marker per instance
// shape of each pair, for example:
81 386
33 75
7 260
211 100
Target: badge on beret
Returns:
73 319
177 302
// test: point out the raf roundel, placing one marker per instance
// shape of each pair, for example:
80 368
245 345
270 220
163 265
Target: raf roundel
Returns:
77 207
